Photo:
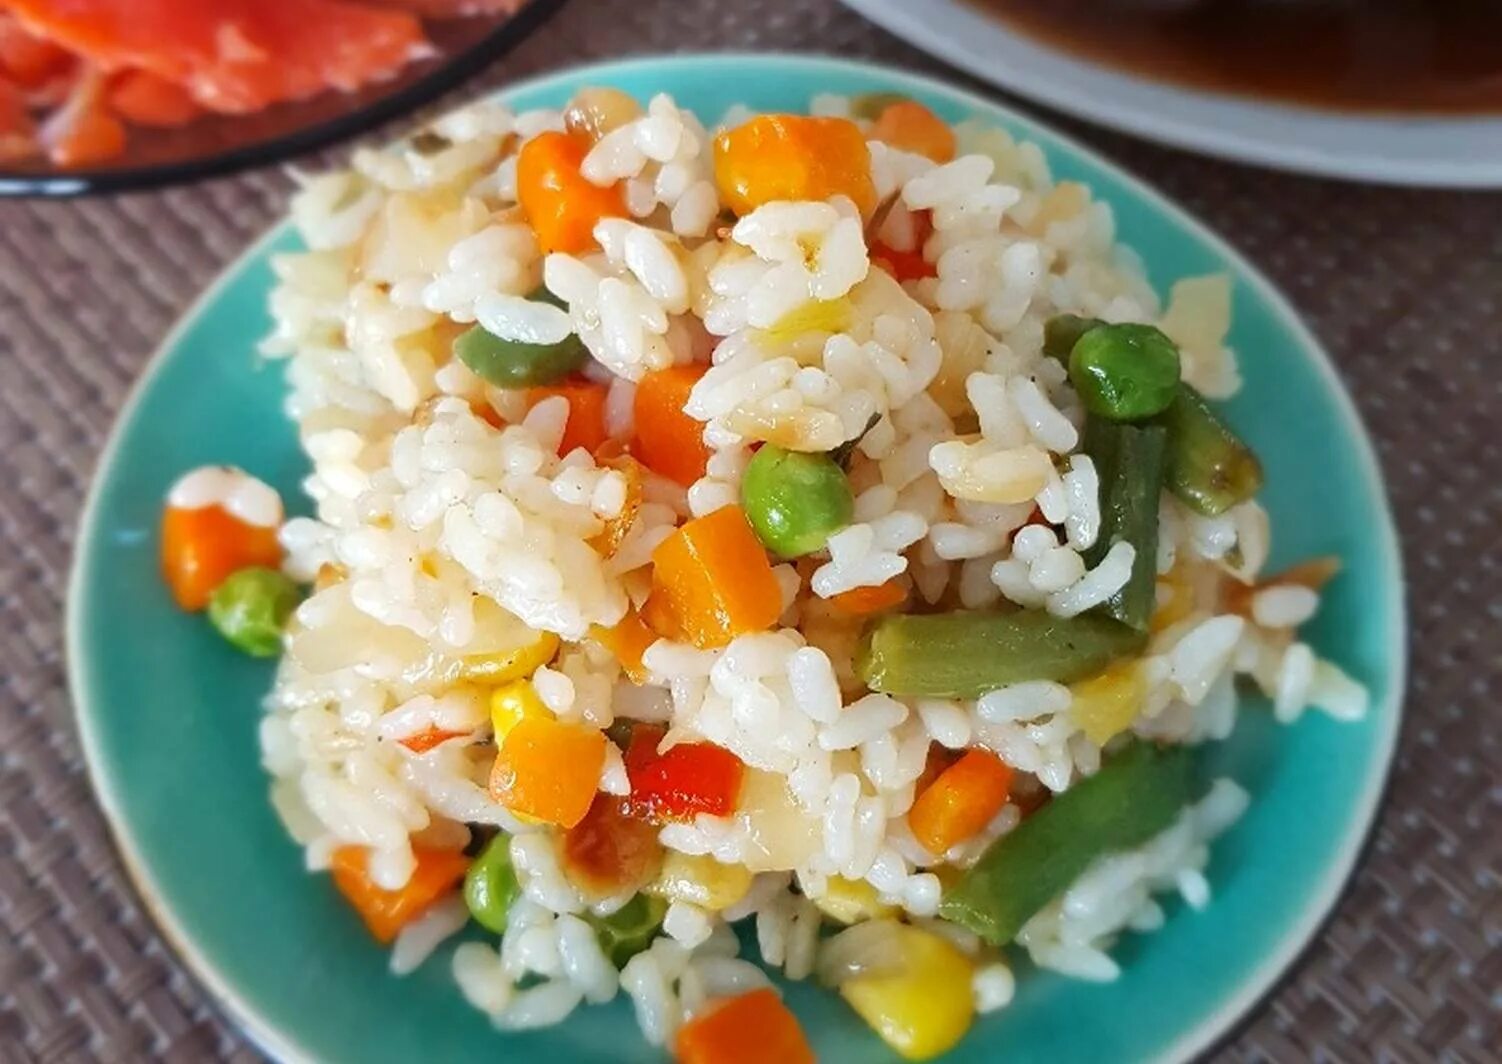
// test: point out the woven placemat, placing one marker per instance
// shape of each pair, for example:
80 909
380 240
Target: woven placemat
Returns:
1403 286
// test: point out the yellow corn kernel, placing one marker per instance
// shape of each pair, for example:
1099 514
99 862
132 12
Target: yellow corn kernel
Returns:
701 880
509 704
516 663
849 900
924 1009
1106 704
816 315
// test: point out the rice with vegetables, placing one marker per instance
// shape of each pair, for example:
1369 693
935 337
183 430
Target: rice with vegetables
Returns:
809 523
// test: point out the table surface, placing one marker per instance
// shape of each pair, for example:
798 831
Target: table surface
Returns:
1402 285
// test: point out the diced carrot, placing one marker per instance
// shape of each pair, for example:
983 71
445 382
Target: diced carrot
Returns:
961 801
26 59
586 411
753 1028
203 545
683 781
561 205
610 852
428 738
908 125
657 614
716 579
628 641
386 912
610 537
859 601
151 100
668 440
793 157
549 769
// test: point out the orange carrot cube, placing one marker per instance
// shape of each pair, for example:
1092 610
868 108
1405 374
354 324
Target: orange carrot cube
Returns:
203 545
715 579
668 440
386 912
961 801
753 1028
549 769
561 205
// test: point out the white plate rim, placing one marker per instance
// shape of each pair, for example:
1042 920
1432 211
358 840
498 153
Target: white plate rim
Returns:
1437 152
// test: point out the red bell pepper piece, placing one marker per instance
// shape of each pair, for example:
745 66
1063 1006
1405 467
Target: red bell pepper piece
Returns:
682 782
907 265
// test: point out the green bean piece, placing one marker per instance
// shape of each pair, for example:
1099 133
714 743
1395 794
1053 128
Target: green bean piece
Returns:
630 929
491 886
794 500
964 655
1138 793
250 609
1063 331
1208 467
514 364
1125 372
1129 462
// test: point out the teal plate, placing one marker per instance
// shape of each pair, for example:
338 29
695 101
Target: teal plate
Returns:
168 712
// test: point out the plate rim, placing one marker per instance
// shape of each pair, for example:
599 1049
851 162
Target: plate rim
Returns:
1255 986
502 39
1115 99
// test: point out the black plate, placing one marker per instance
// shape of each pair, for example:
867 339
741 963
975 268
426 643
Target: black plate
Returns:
221 144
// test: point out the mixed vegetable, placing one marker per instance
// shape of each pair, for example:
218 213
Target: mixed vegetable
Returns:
722 574
219 553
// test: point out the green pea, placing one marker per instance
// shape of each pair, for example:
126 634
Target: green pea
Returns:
795 501
514 364
1063 331
490 885
251 608
1125 372
630 929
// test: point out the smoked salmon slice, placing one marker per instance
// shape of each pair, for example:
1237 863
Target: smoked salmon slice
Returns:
82 131
150 100
453 8
233 55
17 132
26 59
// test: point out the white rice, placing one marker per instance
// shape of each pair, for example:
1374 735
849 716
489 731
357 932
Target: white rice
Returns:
448 531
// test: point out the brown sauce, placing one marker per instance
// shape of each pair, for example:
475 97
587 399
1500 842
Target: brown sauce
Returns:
1398 56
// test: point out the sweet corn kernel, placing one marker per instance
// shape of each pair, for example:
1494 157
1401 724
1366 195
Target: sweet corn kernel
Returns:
507 665
509 704
1105 705
849 900
924 1009
814 315
701 880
